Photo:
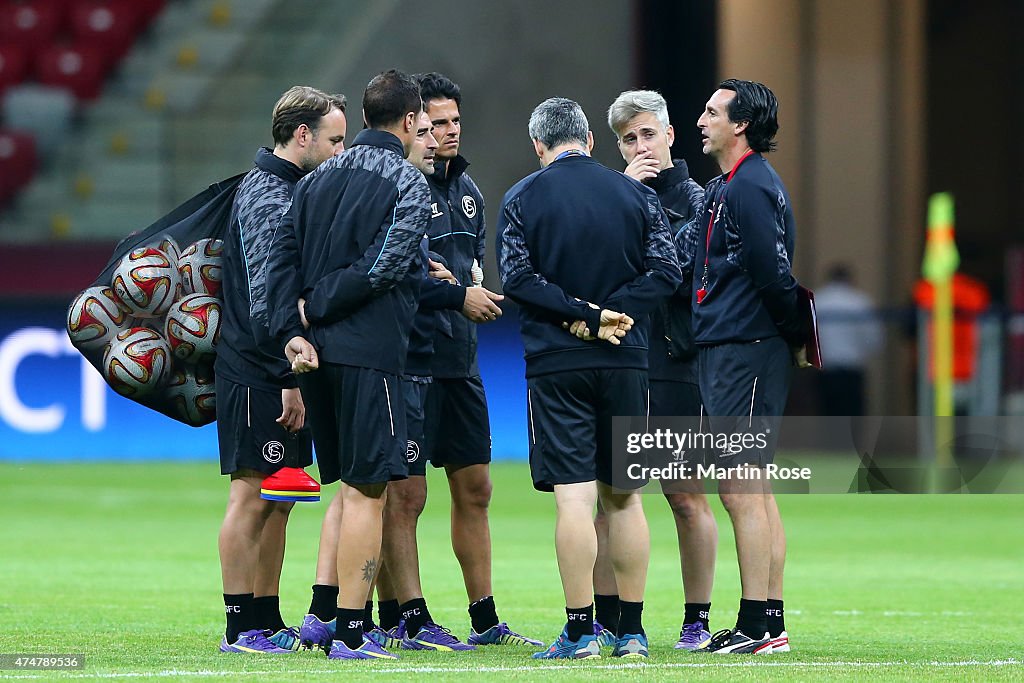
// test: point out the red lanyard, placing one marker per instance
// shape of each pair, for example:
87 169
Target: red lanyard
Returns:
716 208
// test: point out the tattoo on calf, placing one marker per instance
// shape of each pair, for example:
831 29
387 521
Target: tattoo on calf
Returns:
370 570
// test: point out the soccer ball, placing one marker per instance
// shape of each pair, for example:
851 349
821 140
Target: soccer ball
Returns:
200 267
146 281
191 393
94 317
169 246
137 362
193 327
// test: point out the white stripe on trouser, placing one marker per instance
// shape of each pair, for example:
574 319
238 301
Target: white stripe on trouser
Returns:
750 419
248 411
647 427
529 410
387 393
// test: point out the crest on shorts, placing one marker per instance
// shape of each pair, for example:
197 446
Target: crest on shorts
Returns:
273 452
468 206
412 451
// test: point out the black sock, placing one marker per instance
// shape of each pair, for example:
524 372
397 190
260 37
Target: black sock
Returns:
368 624
752 619
349 627
388 614
580 621
606 611
416 614
267 613
238 610
483 614
325 602
697 611
629 618
776 618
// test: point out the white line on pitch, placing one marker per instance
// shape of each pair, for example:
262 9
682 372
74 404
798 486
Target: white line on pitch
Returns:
385 668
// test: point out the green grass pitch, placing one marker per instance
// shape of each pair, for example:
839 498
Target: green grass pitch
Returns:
119 562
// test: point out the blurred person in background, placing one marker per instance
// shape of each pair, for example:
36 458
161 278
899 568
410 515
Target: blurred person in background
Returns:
851 334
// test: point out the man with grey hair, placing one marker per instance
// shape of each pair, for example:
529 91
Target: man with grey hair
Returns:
584 324
639 119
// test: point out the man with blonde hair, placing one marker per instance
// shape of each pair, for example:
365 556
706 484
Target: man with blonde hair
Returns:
260 414
639 119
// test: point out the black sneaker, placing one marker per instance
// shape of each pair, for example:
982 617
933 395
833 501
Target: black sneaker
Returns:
734 641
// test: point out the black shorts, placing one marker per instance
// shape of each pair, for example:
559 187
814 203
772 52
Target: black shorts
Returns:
414 394
457 429
674 399
570 422
248 434
358 421
744 387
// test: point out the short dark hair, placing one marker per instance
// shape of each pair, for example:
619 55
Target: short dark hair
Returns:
389 97
299 105
435 86
756 105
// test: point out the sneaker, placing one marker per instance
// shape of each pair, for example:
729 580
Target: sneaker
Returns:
605 638
501 634
586 647
631 645
434 637
286 639
734 641
316 633
693 636
252 641
388 640
368 650
780 643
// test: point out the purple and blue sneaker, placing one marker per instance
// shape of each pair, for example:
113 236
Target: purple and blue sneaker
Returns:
501 634
388 640
586 647
316 633
432 637
605 638
368 650
693 636
255 642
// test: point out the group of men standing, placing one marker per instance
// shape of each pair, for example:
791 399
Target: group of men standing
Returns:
353 287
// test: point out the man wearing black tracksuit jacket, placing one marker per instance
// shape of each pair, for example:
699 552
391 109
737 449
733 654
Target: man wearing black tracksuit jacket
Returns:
644 136
747 324
457 430
574 298
260 414
350 247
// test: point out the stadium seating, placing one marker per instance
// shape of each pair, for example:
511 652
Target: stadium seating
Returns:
108 27
43 110
13 65
79 68
17 162
31 24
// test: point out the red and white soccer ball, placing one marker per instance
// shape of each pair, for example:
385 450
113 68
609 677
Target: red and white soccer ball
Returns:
146 281
192 395
193 328
169 246
200 267
94 317
137 362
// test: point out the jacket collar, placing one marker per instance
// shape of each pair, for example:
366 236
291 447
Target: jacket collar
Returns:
670 177
267 161
380 138
447 171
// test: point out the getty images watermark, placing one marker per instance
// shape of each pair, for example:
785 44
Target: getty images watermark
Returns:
820 454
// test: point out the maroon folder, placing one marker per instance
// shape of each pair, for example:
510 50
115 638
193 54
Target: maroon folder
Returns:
805 302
